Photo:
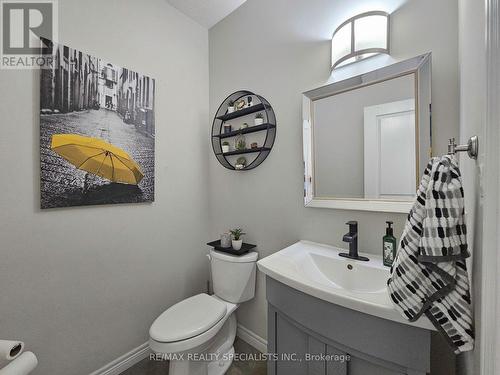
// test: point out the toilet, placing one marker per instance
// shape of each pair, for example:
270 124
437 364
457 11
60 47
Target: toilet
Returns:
197 334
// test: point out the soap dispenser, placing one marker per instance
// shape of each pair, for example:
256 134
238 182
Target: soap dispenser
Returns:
389 245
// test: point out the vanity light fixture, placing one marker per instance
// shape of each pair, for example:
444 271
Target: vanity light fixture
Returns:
359 37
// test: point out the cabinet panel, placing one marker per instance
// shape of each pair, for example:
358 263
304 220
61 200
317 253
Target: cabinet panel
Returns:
291 345
336 366
316 363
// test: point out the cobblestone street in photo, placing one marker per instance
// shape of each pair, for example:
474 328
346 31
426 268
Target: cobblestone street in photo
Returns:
62 184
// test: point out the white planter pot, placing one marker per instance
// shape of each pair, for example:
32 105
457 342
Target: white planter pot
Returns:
230 109
225 148
236 244
258 121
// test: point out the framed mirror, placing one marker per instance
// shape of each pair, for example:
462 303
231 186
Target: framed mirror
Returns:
367 139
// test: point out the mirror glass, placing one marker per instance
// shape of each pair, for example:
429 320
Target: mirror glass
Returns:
368 138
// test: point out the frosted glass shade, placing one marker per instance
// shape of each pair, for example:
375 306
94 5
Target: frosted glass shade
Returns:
360 37
342 42
370 32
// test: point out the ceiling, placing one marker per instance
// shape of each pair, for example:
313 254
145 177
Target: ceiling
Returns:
206 12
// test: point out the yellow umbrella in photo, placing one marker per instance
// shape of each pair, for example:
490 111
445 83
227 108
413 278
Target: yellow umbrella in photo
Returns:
98 157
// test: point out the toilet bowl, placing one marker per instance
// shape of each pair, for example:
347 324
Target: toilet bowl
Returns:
197 334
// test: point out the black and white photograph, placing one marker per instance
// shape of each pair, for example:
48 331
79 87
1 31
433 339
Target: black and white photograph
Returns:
97 131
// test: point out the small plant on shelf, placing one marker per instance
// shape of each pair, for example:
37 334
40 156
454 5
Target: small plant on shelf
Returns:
241 163
240 143
259 119
237 241
225 146
230 106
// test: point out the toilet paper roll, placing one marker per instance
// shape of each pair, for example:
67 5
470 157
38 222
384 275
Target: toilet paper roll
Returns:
10 349
22 365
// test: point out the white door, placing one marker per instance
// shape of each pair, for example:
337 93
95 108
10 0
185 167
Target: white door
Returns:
390 167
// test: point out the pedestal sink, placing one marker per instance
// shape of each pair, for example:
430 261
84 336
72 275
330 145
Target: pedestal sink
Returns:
319 271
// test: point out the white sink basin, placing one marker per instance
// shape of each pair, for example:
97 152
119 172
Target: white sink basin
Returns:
319 271
344 274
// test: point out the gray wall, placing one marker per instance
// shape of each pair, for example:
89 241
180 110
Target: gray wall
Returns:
82 286
339 134
280 49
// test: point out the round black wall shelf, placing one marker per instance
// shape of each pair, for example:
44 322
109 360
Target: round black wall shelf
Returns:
251 118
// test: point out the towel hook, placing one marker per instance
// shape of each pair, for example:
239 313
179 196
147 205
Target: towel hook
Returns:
472 147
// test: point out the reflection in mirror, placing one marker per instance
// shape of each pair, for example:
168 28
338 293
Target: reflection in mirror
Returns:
368 138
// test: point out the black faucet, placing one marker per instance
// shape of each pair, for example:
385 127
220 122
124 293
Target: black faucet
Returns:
352 239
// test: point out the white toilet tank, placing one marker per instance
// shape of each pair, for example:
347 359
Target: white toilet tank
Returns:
233 276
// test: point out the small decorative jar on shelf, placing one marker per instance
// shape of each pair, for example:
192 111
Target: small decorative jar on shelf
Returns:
225 146
227 128
239 104
225 240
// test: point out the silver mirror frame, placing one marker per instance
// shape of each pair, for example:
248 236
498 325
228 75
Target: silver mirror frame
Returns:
421 67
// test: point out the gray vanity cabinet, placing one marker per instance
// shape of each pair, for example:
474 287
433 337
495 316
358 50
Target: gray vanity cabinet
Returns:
313 337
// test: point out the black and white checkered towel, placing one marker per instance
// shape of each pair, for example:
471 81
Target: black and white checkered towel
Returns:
429 274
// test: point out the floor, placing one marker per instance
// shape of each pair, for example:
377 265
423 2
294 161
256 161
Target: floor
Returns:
147 367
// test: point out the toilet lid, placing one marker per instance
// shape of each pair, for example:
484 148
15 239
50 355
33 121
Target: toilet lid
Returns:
188 318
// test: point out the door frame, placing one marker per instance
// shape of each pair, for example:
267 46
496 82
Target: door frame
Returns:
490 329
372 139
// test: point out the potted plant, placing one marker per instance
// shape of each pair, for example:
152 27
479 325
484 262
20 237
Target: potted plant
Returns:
259 119
225 146
240 142
237 241
230 106
241 163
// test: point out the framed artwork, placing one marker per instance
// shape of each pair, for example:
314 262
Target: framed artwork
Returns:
97 131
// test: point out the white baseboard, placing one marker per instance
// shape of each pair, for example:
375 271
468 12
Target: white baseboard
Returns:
124 362
136 355
251 338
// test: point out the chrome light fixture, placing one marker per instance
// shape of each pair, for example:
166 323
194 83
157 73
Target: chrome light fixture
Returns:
359 37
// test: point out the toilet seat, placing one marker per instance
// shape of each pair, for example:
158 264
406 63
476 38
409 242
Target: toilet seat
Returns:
188 318
200 341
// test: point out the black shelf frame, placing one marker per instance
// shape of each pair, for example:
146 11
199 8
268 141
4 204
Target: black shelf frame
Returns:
269 125
250 129
242 112
245 151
